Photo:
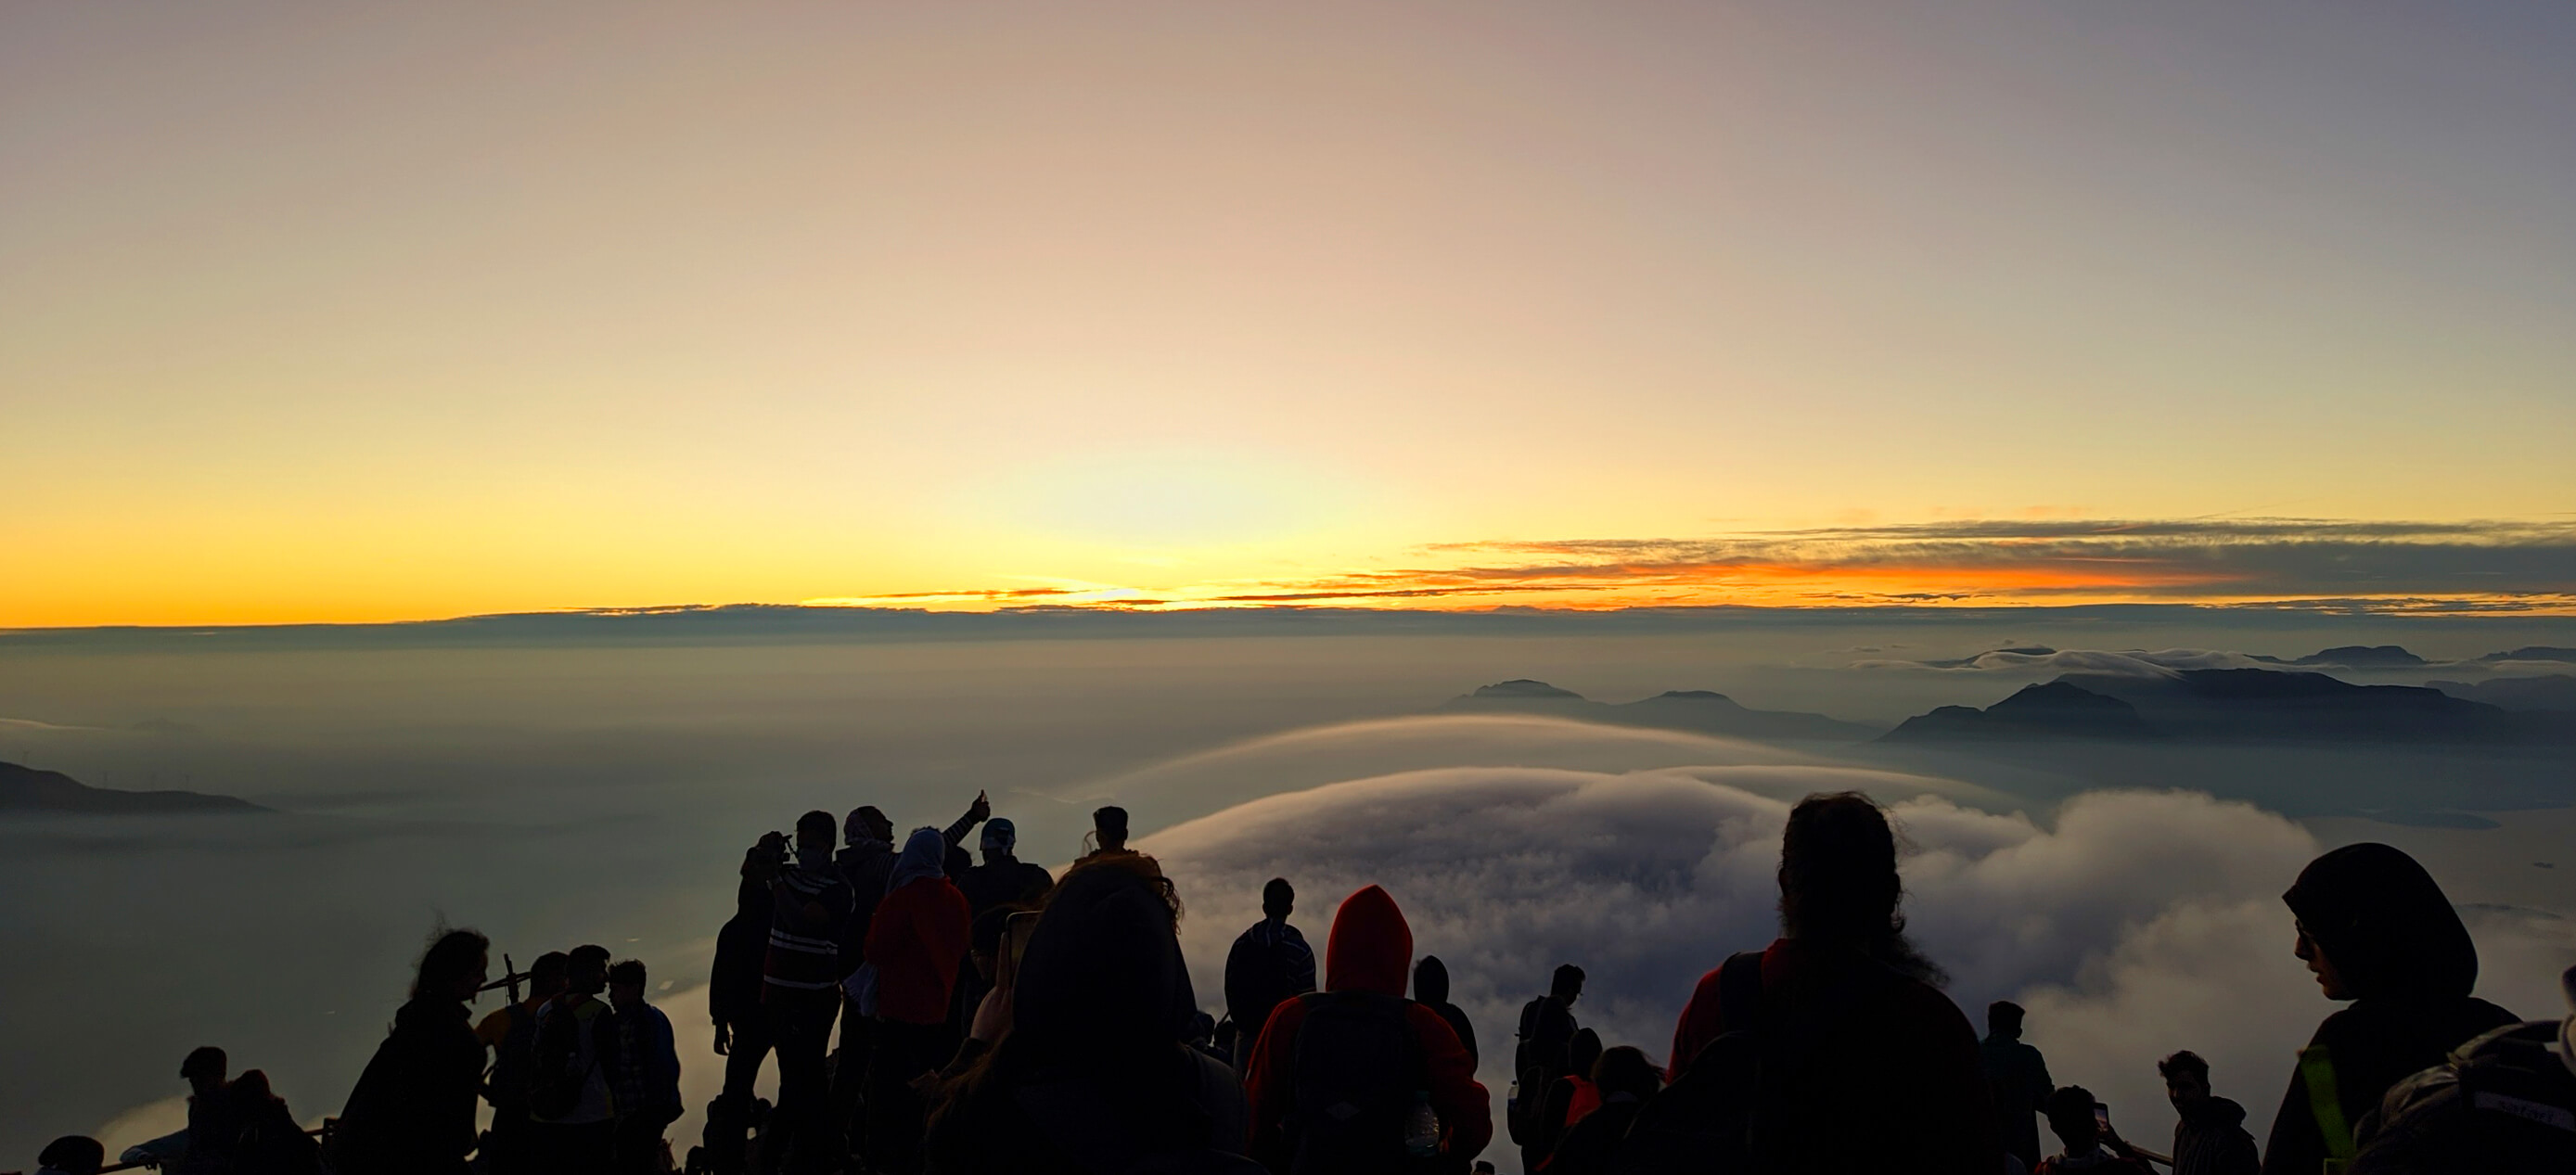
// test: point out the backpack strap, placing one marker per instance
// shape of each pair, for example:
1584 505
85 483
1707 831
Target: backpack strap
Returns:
2317 1073
1739 992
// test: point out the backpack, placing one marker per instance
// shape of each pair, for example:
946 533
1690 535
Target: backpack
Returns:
1704 1120
507 1085
556 1074
1531 1076
2505 1101
1359 1073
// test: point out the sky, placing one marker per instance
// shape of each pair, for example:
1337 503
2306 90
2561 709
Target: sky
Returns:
332 313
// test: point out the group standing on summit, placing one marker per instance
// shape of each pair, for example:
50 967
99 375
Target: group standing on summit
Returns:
995 1019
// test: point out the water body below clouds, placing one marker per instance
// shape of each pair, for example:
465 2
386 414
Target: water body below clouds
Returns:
552 796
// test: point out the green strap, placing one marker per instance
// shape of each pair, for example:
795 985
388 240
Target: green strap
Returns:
2316 1071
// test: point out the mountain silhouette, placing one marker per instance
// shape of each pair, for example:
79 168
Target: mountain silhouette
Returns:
26 789
2052 711
2270 704
2534 653
2555 691
1698 711
2356 657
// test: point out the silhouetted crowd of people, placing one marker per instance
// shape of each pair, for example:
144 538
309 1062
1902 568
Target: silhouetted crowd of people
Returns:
994 1019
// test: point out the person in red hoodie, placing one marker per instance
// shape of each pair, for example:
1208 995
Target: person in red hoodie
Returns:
1377 1062
915 943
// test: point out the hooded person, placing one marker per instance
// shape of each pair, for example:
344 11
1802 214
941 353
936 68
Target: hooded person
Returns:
915 946
1569 1098
1003 879
865 860
1339 1079
1431 990
2375 929
1091 1070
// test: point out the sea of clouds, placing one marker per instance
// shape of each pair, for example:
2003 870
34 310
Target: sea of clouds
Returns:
2131 924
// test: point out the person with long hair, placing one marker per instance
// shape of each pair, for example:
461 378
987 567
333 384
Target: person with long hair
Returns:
413 1110
1084 1065
1866 1064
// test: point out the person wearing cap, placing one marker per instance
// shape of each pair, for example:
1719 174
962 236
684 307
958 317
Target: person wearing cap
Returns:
1108 832
1003 879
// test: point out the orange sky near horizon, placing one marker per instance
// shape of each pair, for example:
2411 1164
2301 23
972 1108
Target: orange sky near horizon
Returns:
327 314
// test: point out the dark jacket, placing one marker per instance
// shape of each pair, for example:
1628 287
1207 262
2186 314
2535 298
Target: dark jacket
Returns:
1891 1078
2017 1077
1269 962
1370 950
1094 1078
2210 1139
733 986
2407 962
412 1112
1004 882
1431 990
1590 1145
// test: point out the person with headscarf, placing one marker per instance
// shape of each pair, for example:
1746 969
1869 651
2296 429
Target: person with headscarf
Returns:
269 1140
413 1110
1865 1064
1431 990
2375 929
1087 1069
1003 879
1366 961
866 859
915 945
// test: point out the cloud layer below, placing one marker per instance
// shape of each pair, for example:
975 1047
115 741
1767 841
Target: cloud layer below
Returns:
2131 923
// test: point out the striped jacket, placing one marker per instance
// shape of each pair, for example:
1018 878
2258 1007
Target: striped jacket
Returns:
804 956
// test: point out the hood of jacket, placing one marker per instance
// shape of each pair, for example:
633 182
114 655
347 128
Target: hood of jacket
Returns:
1371 947
2384 924
1431 980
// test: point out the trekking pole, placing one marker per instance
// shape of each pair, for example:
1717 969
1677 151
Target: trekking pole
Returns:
511 980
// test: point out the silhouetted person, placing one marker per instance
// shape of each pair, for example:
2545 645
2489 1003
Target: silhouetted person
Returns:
2374 929
413 1110
810 905
1863 1063
733 1002
1108 832
267 1139
1567 1099
510 1032
572 1107
648 1073
1086 1068
1003 879
204 1147
2017 1079
865 860
2209 1133
916 946
72 1154
1539 1058
2070 1117
1625 1080
1269 962
1324 1098
1431 990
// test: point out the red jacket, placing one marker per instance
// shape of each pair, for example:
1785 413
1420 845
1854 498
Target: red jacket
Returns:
915 942
1910 1085
1371 950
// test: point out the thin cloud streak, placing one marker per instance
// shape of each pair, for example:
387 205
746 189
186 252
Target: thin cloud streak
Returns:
2324 564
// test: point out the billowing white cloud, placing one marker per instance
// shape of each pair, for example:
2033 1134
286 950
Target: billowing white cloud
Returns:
2130 923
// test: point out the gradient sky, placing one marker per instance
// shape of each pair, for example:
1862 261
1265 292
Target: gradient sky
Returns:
332 312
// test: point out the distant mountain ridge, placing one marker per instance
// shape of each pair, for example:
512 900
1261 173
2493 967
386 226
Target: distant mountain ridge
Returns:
2259 705
26 789
2553 691
1697 711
